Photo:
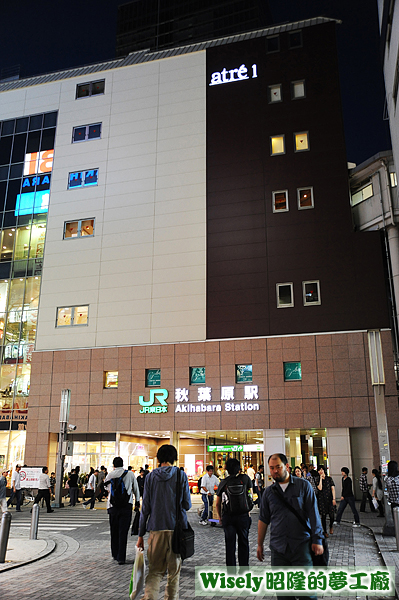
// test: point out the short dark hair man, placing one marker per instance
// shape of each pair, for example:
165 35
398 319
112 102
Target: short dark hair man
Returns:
158 516
15 488
44 489
208 483
235 524
364 488
289 539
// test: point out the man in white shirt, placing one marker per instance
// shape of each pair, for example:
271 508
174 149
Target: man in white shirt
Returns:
15 488
44 489
251 472
90 490
208 483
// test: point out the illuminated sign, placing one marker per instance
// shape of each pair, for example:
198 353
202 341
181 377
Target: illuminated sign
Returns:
32 202
148 405
38 162
239 74
236 448
83 178
37 182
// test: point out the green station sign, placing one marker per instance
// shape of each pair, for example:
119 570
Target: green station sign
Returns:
236 448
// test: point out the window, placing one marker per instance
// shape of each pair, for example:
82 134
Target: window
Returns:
110 379
93 88
72 315
311 293
243 373
298 89
273 44
81 228
152 377
393 178
280 201
274 93
83 178
301 141
292 371
197 375
277 144
285 295
86 132
305 198
363 194
295 39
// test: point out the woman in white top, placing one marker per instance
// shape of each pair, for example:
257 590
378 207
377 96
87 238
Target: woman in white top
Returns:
378 492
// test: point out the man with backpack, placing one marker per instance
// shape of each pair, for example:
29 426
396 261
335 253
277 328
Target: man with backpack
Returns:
233 504
123 492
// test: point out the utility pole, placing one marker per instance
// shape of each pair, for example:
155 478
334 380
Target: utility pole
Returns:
64 417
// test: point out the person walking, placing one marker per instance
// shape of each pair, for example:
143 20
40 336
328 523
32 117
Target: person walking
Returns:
140 481
289 537
364 488
378 492
326 499
392 483
90 491
233 516
100 491
158 516
251 473
3 491
44 489
347 497
15 488
120 506
73 487
259 483
208 483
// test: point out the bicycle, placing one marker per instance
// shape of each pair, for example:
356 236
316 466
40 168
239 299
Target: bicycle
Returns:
28 496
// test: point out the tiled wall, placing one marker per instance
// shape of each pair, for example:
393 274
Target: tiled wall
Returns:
335 390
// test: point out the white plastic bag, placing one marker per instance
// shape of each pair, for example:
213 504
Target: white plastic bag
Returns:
138 573
375 503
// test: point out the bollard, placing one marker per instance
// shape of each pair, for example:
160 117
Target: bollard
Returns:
396 523
4 533
34 522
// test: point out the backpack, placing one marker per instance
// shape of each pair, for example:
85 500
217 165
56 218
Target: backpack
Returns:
119 496
238 500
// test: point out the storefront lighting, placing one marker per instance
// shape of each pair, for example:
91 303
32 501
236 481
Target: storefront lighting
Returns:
4 247
10 234
21 279
12 229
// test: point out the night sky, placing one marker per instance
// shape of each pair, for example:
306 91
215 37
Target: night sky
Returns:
45 36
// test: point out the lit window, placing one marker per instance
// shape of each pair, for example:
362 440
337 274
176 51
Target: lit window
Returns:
93 88
298 89
295 39
197 375
243 373
277 144
274 92
285 295
110 379
305 198
83 178
81 228
86 132
280 201
152 377
301 141
72 316
273 44
311 293
292 371
362 194
394 180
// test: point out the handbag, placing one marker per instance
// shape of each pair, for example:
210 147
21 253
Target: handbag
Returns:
182 539
137 579
136 521
375 503
319 560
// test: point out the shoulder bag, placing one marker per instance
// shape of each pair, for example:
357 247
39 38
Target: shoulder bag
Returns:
183 539
320 560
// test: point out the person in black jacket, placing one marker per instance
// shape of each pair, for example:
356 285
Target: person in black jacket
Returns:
347 497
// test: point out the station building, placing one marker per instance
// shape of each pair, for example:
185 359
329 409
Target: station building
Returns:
179 252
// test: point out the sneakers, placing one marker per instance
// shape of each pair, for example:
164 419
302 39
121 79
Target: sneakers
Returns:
356 524
93 509
203 523
84 506
336 523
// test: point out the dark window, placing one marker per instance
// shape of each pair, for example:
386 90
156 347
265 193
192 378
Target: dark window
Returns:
93 88
50 119
91 177
295 39
98 87
83 90
94 131
75 179
33 144
14 188
8 127
48 138
273 44
10 220
86 132
18 149
16 170
3 190
22 125
4 173
79 134
35 122
5 150
83 178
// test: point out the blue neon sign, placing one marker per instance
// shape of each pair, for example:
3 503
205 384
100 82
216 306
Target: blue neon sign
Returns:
32 202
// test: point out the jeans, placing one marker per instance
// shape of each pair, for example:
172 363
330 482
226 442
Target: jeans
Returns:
236 526
208 501
17 495
366 497
161 558
119 522
300 557
343 504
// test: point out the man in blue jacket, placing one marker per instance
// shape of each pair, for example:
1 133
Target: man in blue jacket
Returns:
158 516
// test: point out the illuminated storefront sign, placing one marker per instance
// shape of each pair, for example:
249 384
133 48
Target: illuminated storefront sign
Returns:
236 448
33 202
38 162
35 193
239 74
148 405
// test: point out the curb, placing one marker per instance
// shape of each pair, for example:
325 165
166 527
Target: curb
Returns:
51 546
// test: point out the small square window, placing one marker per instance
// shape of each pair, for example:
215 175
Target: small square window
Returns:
86 132
298 89
110 379
75 179
87 227
64 316
280 201
94 131
295 39
152 377
72 316
8 127
305 198
93 88
243 373
71 229
35 122
277 144
80 315
274 92
81 228
197 375
285 295
97 87
79 134
83 90
273 44
292 371
91 177
301 141
311 293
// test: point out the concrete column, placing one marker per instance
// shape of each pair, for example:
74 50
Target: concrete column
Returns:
274 442
339 454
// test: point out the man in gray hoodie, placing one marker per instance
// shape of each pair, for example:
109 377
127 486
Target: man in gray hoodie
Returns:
158 516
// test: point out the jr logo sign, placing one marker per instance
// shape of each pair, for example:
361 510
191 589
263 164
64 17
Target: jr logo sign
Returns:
148 405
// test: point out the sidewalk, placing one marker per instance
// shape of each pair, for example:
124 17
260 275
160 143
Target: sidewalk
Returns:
23 551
